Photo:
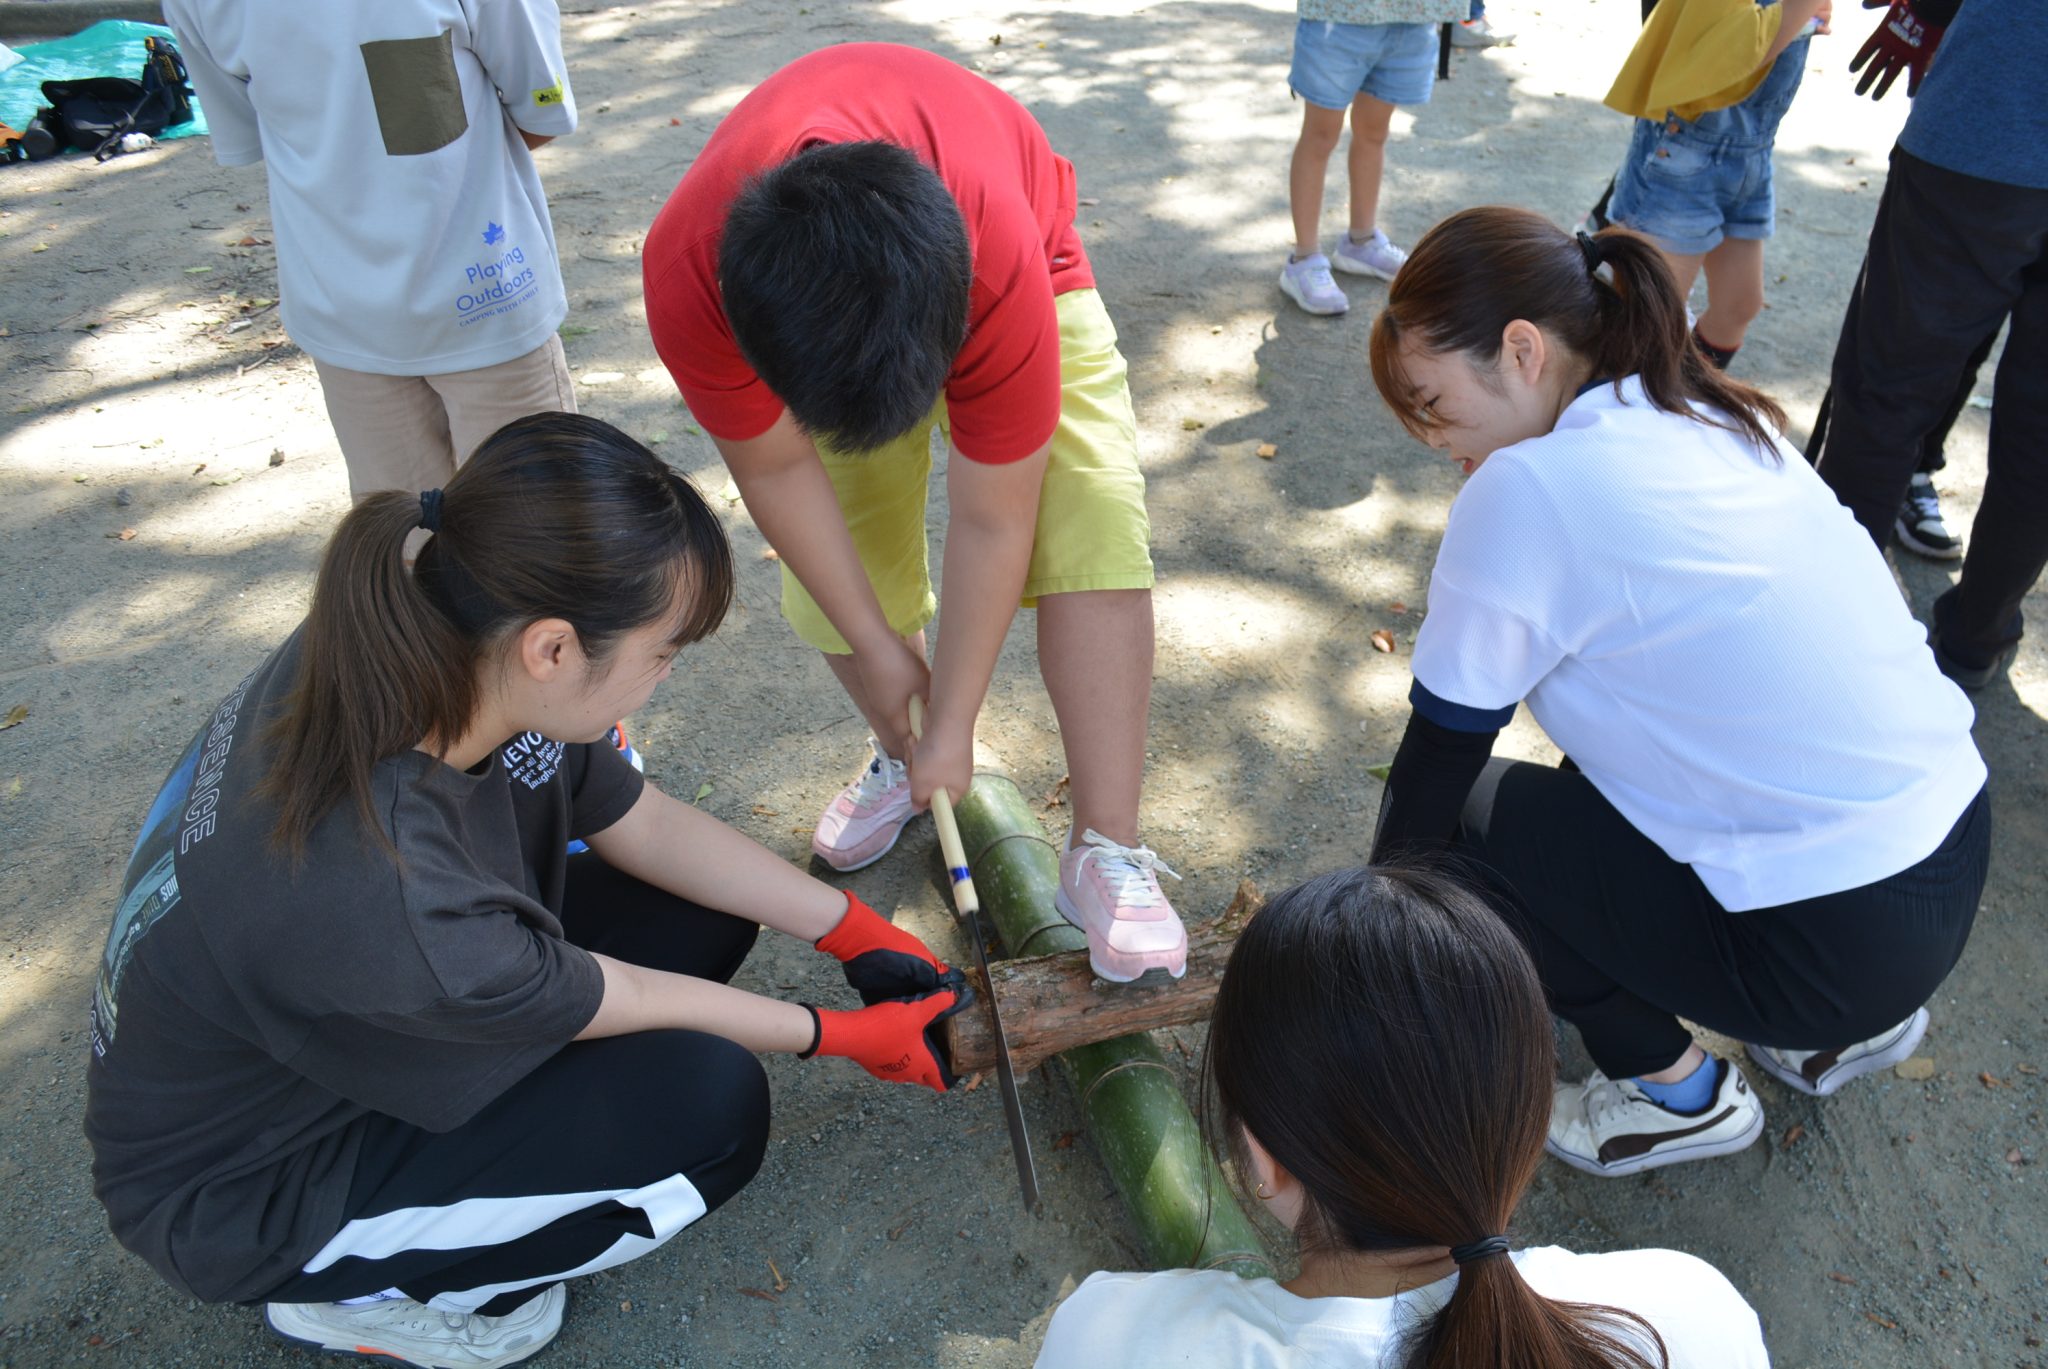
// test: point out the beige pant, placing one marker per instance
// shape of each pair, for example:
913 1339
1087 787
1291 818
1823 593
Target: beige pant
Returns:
411 432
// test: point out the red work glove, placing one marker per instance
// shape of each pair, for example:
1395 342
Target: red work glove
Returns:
1903 42
882 960
896 1041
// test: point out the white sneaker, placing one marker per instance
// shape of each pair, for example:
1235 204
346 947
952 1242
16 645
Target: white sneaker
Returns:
862 824
1479 33
1820 1073
1307 281
1112 893
1610 1126
413 1333
1921 527
1374 257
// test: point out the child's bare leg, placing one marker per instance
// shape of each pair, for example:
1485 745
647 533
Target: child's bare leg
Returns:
848 675
1735 291
1320 130
1685 269
1095 654
1367 162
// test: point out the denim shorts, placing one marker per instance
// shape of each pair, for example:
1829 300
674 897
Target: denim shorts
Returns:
1689 192
1335 63
1690 184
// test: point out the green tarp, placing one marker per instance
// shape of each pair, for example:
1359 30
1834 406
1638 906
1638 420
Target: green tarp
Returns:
112 47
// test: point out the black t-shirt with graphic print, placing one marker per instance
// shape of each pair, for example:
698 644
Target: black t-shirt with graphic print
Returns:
251 1014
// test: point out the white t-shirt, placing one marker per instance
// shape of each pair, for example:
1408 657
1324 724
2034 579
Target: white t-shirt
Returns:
1209 1317
1712 638
412 235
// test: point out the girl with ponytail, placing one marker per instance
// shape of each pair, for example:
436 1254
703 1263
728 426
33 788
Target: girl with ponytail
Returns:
1378 1071
369 1045
1771 820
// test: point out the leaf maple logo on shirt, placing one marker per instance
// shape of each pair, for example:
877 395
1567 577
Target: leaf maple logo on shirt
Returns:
493 235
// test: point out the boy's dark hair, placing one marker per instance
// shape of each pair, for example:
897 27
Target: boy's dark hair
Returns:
1383 1035
845 273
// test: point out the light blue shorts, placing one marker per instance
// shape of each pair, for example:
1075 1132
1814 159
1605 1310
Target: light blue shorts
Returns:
1688 192
1335 63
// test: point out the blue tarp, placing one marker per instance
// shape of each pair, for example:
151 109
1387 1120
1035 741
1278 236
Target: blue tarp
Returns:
112 47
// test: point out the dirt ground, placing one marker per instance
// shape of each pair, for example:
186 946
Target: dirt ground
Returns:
150 388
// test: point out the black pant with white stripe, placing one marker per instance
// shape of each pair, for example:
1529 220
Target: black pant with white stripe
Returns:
1628 940
595 1158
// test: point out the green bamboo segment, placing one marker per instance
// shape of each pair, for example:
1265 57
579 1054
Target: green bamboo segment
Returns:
1137 1116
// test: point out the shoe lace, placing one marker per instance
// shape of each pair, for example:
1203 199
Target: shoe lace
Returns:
1604 1098
1318 276
1923 502
883 774
1133 870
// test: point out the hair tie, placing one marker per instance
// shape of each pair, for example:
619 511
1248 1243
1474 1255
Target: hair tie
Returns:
1590 249
1489 1245
1592 253
430 510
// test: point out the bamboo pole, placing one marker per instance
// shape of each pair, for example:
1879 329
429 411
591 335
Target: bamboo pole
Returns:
1137 1117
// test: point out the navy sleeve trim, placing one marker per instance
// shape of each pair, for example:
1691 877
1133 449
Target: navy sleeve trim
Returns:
1457 717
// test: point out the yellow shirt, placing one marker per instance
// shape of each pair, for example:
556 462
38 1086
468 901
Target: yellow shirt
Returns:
1694 56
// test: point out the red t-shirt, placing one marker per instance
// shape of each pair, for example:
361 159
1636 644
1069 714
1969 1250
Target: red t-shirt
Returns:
1015 193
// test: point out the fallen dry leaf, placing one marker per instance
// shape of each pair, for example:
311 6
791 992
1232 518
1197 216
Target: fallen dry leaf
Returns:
1268 450
625 1304
761 1293
1915 1069
974 1080
675 123
124 535
277 456
1989 1080
895 1232
1841 1278
1881 1321
761 811
2026 1069
1064 1141
1382 640
2014 1157
198 468
1056 796
1397 607
801 831
1793 1135
781 1284
16 716
1189 425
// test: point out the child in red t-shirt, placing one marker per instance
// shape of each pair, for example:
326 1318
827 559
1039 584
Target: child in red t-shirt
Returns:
874 243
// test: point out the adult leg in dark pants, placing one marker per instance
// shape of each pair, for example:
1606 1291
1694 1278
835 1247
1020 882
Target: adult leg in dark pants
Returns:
1628 940
598 1156
1950 255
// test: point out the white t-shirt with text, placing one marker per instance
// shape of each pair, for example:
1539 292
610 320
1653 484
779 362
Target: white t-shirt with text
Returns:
412 235
1192 1317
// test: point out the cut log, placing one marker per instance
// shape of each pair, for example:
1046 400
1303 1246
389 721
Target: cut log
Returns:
1138 1119
1052 1003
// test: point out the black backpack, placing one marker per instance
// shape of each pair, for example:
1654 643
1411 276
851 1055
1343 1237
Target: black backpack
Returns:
93 114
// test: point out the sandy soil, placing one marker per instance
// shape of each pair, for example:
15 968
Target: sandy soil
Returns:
151 389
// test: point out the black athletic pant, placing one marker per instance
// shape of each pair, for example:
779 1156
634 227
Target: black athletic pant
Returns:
1950 255
1627 939
1933 447
595 1158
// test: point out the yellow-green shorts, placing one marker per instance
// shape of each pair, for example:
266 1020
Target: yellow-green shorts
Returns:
1092 529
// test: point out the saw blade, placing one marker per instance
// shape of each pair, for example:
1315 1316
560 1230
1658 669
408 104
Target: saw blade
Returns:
1006 1072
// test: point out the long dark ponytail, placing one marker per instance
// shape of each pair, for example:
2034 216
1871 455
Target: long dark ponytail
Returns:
555 516
1383 1035
1480 269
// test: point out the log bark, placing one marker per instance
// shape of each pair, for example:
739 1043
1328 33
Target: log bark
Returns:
1138 1120
1053 1003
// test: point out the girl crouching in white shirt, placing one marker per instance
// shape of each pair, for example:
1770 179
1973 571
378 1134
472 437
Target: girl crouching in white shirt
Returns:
1773 820
1380 1060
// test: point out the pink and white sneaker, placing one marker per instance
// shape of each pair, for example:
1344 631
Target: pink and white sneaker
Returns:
1112 893
862 824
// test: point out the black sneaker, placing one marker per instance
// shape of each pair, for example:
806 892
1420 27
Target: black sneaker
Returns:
1920 527
1971 669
